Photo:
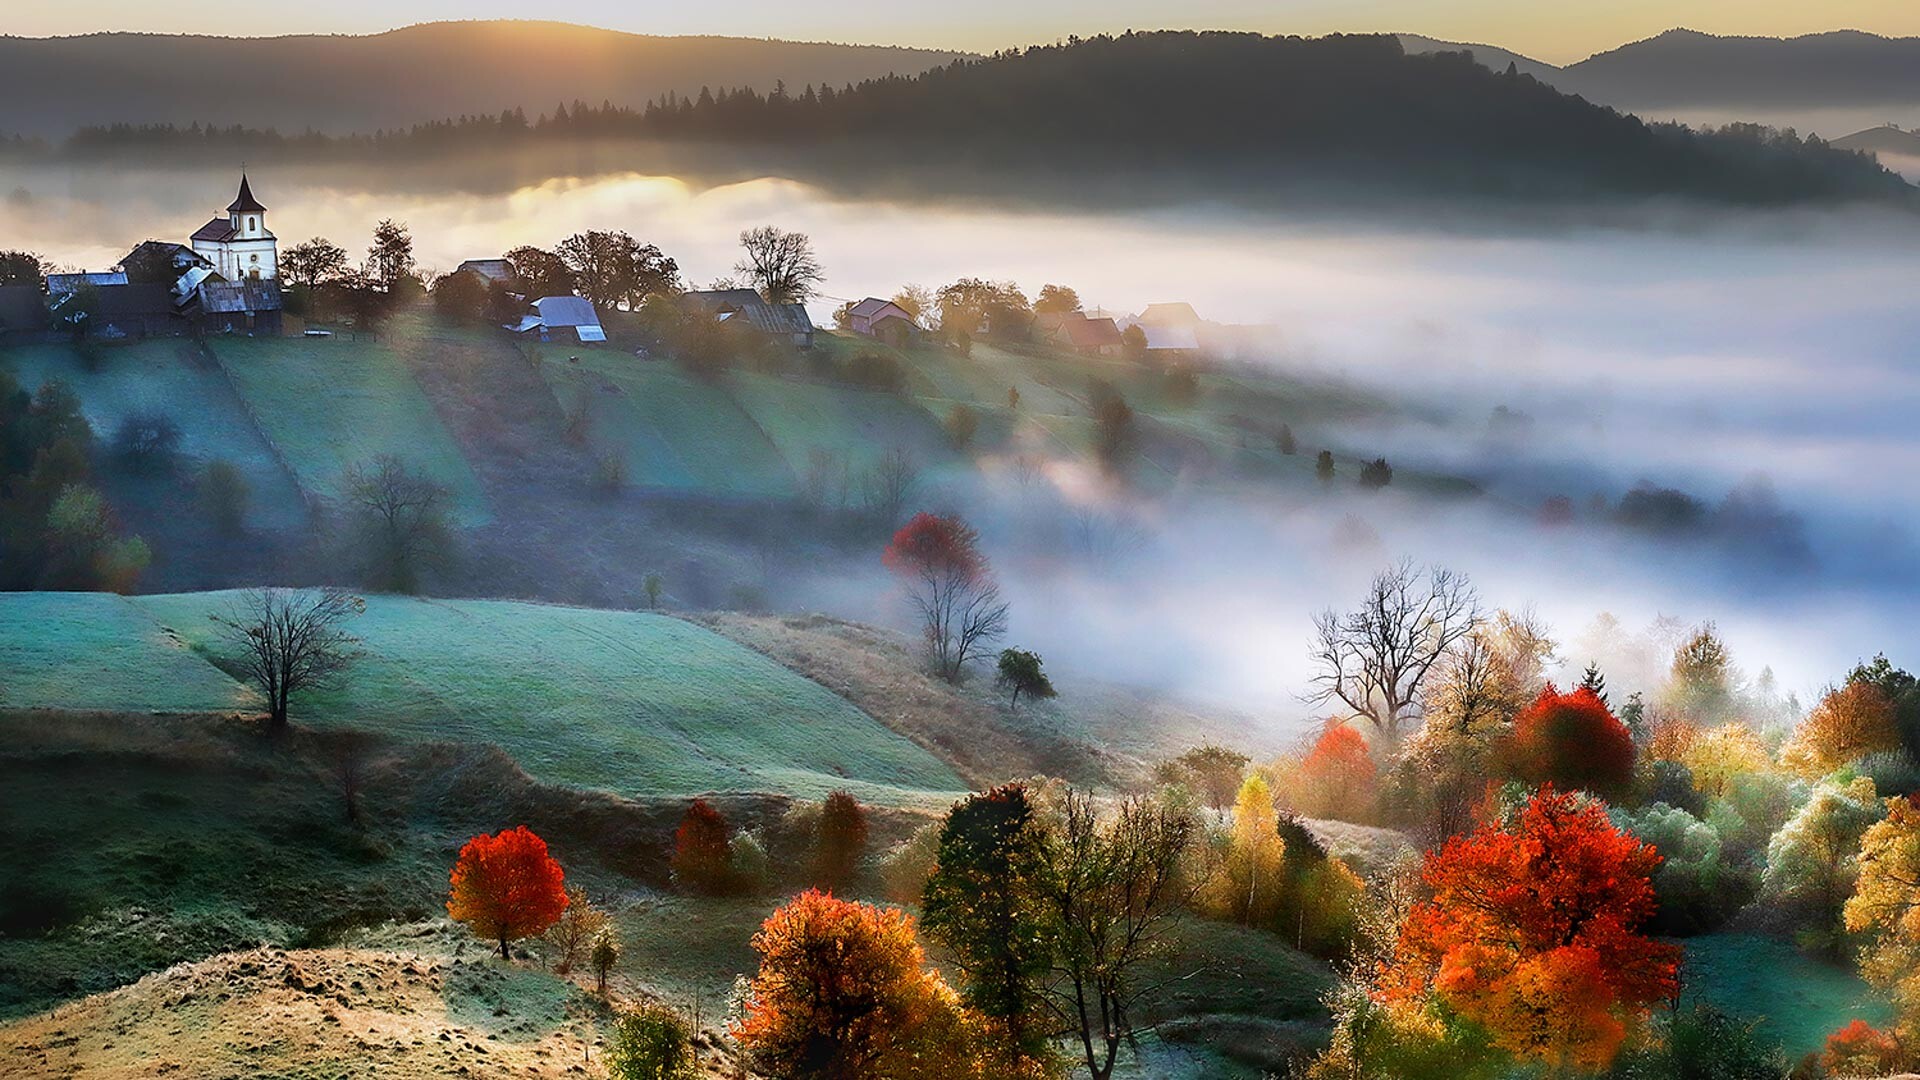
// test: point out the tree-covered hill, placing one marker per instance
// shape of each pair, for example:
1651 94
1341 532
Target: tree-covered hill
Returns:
1230 111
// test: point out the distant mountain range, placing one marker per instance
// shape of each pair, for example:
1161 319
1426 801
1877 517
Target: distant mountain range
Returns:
1882 140
337 83
1686 69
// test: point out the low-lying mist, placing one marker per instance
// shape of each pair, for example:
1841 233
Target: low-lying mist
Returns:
1770 354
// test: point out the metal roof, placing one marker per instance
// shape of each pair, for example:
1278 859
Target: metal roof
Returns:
217 230
500 270
66 283
231 297
747 304
566 311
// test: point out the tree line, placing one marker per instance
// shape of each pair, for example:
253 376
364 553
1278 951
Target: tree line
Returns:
1246 105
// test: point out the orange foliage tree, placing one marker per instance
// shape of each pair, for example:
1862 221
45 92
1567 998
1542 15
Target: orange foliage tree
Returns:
1860 1049
939 561
844 991
700 853
1572 741
1337 777
506 887
1533 933
1848 724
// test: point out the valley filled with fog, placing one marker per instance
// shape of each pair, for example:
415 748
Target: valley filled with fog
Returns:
1773 357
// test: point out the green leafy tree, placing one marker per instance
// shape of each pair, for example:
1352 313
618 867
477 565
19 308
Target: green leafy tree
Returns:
1021 672
651 1043
982 903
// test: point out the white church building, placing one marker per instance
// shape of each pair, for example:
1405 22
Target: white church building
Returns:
239 245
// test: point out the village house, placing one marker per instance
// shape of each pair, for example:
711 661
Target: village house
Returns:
746 308
497 271
562 313
882 319
1095 337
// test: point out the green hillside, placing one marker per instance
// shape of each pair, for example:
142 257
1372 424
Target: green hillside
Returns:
338 403
178 381
676 432
628 702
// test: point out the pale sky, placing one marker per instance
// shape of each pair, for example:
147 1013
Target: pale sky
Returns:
1560 31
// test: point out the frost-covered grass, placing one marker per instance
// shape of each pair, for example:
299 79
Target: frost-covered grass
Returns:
677 432
172 378
1797 999
816 421
331 404
628 702
99 651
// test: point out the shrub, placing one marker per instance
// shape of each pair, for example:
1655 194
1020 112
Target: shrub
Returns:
963 422
1860 1049
876 371
651 1043
905 869
224 496
843 991
700 850
1703 1043
840 839
1572 741
605 954
147 441
1376 474
1698 888
574 935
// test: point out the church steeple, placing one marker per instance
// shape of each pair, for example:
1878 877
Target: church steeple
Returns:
245 203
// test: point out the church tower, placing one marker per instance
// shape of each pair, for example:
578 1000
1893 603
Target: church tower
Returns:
240 246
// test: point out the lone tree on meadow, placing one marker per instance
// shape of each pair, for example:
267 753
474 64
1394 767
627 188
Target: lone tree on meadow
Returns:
780 264
1022 673
840 839
506 887
402 522
951 586
289 641
390 256
1375 659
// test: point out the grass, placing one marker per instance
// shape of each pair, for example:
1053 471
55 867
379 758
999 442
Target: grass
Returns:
627 702
172 378
337 403
1797 999
678 433
100 651
810 422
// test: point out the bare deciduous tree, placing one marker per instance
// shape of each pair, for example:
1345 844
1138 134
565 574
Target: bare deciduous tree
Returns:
402 521
952 588
1373 660
889 485
1109 890
780 264
290 641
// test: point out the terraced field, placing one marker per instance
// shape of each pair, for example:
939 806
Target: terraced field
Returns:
339 403
623 701
174 379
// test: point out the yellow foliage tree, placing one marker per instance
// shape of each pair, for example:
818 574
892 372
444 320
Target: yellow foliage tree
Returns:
1255 855
1719 754
1885 909
1848 724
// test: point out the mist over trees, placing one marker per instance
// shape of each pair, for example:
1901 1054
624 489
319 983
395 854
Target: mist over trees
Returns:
1438 122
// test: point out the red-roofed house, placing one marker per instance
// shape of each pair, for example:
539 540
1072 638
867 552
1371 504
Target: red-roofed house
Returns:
1096 337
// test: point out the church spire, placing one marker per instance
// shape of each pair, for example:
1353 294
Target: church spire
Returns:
245 203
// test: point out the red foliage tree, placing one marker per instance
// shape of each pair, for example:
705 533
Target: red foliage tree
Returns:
1860 1049
1572 741
947 577
844 991
1533 933
840 840
506 887
1337 776
701 859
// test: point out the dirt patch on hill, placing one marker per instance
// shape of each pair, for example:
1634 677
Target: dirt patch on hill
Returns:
312 1013
1093 734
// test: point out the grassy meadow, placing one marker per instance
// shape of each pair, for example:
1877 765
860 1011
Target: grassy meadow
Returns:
628 702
